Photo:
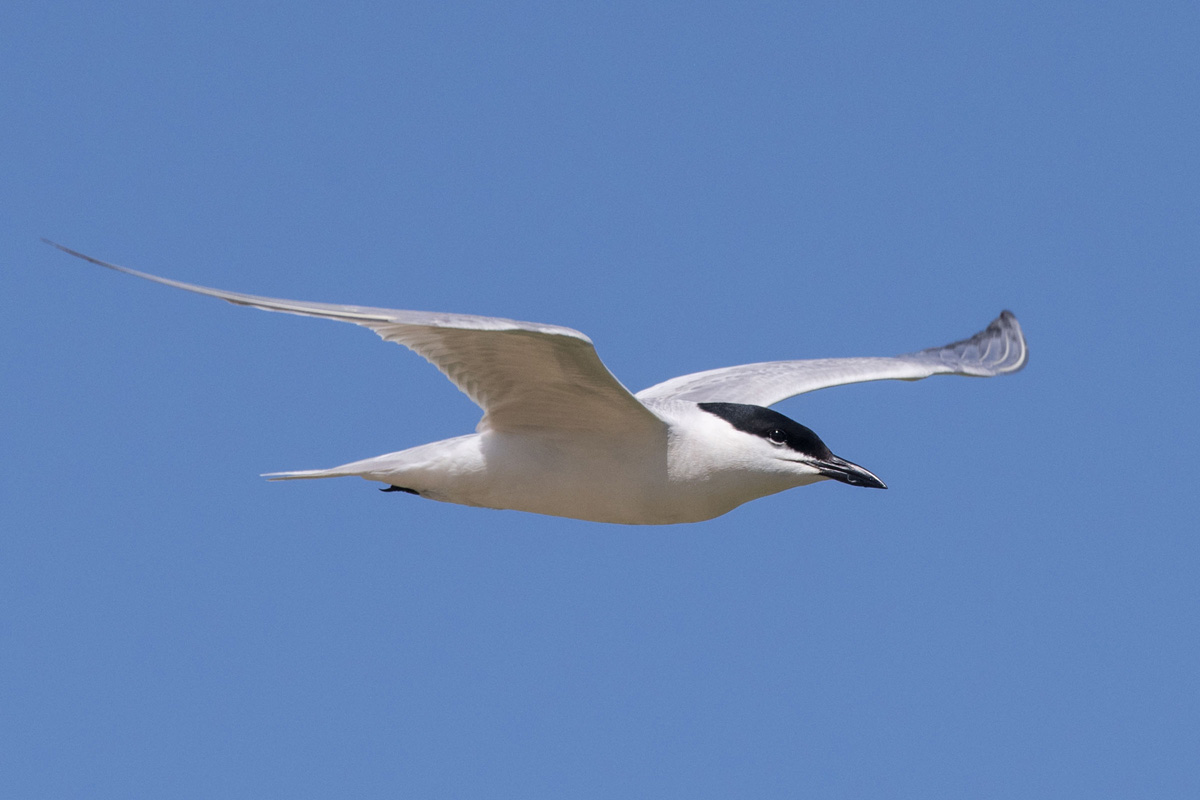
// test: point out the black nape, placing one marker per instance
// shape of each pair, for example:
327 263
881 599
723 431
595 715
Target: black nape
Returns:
770 425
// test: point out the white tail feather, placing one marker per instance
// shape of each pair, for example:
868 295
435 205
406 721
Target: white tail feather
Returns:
308 474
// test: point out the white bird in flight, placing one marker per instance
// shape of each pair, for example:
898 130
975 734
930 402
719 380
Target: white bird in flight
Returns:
561 436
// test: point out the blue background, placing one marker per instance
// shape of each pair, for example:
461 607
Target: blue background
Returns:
693 185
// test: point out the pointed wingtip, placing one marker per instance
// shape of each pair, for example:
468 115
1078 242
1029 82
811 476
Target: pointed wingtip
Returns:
1014 338
85 256
62 247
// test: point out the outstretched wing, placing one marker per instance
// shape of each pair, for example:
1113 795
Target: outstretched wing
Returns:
524 375
996 350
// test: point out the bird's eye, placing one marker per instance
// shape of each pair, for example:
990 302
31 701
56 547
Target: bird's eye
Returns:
777 436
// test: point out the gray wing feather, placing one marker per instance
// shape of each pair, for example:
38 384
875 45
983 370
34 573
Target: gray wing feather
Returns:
524 375
998 349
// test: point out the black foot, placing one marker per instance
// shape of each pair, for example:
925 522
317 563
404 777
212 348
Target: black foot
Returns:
400 489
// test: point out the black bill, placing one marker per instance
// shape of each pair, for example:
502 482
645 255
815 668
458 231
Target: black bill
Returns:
842 470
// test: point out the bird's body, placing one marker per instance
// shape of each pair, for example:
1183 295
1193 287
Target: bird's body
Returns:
690 469
561 436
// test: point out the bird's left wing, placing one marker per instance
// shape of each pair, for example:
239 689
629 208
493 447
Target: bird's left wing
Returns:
998 349
524 375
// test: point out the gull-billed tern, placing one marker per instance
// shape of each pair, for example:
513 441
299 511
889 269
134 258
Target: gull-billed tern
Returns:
561 436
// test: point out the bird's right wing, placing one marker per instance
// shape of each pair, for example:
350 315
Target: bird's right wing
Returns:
996 350
524 375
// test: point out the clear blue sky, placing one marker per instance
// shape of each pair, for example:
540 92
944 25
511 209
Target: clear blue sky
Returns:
693 185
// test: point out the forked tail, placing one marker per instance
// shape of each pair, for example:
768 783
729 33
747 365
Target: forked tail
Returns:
378 468
309 474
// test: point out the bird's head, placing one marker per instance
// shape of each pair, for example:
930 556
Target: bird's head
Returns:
772 442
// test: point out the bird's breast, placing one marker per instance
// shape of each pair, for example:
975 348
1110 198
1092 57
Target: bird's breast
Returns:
598 478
